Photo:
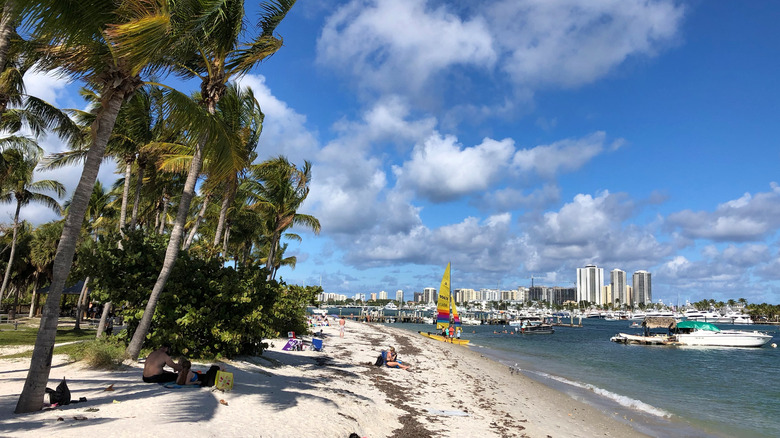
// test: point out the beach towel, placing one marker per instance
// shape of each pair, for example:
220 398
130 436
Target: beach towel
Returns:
177 386
224 380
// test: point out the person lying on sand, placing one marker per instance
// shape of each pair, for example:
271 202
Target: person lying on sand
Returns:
187 376
392 360
154 371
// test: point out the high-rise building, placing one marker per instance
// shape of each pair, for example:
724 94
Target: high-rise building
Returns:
643 291
399 296
617 279
429 295
590 280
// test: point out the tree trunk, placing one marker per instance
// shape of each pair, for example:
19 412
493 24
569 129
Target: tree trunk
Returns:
134 348
103 317
222 215
81 302
194 230
226 239
125 196
164 215
13 250
269 263
31 398
138 184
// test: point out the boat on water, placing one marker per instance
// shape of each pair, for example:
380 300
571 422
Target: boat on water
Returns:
446 314
708 334
537 328
691 333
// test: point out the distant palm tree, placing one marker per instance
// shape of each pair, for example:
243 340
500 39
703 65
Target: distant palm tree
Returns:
20 187
282 189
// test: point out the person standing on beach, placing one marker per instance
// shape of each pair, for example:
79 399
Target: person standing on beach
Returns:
154 371
342 323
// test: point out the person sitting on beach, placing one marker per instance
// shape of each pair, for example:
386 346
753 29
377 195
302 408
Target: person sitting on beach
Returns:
392 360
186 375
154 371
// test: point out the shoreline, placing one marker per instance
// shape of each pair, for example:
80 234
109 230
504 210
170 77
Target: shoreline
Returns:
450 391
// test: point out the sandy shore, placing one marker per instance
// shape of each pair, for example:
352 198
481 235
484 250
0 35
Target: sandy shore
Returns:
450 391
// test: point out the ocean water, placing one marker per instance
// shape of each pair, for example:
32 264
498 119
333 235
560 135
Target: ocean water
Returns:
660 390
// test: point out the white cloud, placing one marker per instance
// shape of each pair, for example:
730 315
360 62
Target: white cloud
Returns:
440 169
401 46
394 45
561 156
284 129
749 218
574 42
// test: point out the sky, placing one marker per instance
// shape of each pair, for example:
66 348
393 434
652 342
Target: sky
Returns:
519 139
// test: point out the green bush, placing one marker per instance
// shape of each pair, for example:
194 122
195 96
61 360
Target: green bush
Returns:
207 309
104 353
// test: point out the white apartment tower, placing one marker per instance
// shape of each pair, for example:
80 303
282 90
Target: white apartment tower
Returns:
399 296
590 281
430 295
617 279
643 291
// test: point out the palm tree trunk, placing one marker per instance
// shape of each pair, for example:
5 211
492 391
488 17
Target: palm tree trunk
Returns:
13 249
34 294
222 215
226 238
125 196
194 230
138 184
134 348
31 398
103 317
81 302
164 214
269 263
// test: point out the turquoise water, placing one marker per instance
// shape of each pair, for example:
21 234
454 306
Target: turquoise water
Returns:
660 390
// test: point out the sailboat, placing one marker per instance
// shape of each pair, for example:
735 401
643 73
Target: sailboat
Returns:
446 313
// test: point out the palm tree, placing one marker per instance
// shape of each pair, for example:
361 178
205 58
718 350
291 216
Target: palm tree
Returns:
19 186
239 110
73 38
214 52
42 251
282 190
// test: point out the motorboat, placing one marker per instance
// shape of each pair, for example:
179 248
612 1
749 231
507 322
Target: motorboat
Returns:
707 334
536 328
701 315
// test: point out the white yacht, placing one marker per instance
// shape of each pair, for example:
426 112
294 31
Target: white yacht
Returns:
706 334
701 315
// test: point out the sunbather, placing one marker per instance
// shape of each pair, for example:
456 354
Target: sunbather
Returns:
392 360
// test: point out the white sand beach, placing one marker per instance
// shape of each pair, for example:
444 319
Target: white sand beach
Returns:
450 391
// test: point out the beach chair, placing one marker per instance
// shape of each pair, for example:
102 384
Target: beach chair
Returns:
316 344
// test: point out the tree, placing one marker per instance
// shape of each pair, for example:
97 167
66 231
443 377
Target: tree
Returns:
213 51
282 189
73 38
19 186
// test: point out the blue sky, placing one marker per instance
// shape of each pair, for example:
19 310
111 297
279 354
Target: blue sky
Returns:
524 138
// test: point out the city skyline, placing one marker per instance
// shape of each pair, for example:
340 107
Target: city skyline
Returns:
520 140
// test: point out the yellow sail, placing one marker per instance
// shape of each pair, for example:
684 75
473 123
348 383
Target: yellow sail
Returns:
443 303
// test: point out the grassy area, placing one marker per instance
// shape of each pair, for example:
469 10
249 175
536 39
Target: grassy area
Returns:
26 336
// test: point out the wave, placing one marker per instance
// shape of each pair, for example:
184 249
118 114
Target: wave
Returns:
622 400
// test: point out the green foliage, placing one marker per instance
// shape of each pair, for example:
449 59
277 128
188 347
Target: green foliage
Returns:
207 309
105 353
